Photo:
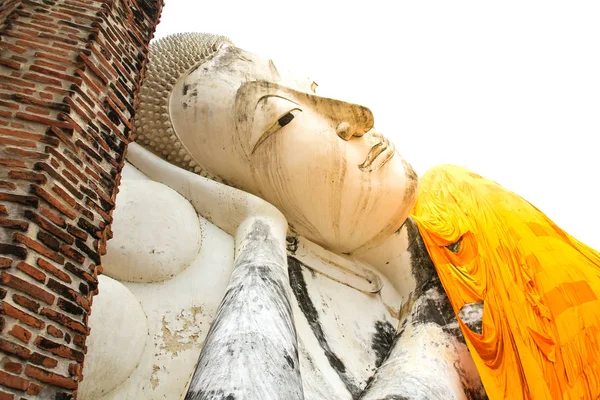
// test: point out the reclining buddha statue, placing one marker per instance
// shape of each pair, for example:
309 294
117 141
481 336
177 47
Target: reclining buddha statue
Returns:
270 243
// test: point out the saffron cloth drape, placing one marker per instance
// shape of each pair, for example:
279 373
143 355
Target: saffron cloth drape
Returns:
539 286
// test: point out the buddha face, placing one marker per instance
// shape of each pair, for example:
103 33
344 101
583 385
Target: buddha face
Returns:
337 180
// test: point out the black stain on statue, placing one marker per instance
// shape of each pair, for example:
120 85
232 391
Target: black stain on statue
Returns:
289 361
434 307
305 303
422 267
382 341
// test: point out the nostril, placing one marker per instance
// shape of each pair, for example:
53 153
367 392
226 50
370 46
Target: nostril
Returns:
344 130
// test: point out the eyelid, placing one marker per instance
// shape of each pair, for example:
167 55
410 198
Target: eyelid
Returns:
276 126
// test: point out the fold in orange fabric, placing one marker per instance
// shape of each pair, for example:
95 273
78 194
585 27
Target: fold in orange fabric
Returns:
540 287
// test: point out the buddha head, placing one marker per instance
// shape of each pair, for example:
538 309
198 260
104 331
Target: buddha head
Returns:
233 116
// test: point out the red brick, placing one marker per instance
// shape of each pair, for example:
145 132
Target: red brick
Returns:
5 262
14 349
78 233
72 254
13 367
34 388
16 198
26 287
36 110
72 178
53 201
69 307
20 333
26 302
28 176
17 142
48 226
36 25
81 273
7 185
65 321
12 47
79 340
31 271
54 331
50 377
10 64
95 69
42 120
19 58
58 220
75 370
52 57
38 359
58 349
42 79
57 67
39 102
18 251
6 396
62 136
40 248
68 293
30 37
25 154
21 134
49 240
55 74
13 381
48 267
6 104
54 174
14 224
9 162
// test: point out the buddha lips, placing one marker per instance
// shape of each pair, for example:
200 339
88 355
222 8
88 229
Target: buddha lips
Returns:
379 154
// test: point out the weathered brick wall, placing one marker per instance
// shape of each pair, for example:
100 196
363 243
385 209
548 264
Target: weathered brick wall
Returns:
69 74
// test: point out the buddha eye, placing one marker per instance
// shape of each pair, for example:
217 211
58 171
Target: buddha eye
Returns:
281 122
286 119
270 115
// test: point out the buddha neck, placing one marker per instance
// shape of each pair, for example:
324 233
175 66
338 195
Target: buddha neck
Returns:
402 259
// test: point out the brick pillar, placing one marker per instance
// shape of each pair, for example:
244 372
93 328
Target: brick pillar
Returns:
69 75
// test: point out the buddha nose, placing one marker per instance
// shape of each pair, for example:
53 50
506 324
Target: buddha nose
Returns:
357 120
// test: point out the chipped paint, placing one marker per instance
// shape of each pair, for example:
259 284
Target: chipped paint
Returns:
183 333
154 380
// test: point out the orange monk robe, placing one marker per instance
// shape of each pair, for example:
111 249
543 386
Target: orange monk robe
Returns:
540 287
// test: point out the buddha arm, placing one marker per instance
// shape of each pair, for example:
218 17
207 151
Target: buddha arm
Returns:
251 350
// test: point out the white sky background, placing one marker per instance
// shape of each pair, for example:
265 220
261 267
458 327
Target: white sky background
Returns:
508 89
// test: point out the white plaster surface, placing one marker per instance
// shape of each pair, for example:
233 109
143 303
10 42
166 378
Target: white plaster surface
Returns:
348 318
156 233
130 173
118 337
179 313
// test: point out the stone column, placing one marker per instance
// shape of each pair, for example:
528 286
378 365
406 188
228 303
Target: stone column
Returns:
69 74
